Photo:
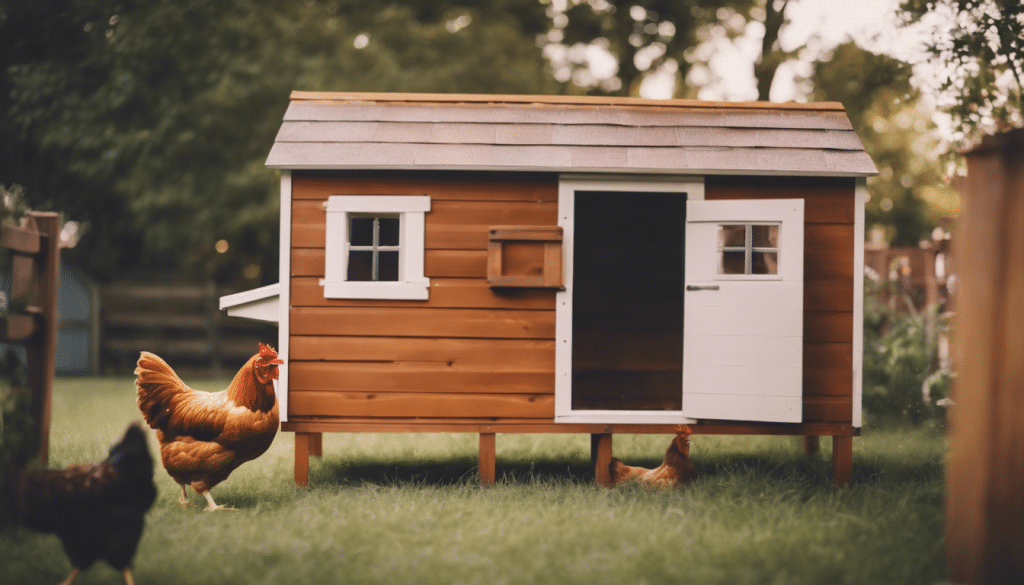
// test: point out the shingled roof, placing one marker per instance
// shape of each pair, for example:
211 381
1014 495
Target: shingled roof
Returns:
565 134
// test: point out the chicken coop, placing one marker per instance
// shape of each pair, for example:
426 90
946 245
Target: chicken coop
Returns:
552 264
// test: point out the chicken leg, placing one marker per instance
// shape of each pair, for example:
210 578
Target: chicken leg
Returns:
75 571
210 504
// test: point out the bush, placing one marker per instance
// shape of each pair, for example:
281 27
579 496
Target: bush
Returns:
902 376
17 429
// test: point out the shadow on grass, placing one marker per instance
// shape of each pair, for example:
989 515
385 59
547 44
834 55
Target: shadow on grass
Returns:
815 469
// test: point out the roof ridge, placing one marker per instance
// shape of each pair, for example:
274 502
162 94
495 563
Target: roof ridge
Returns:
552 100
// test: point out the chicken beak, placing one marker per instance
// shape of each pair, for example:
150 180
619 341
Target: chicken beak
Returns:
275 362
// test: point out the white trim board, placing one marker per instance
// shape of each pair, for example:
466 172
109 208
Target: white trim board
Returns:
284 294
859 200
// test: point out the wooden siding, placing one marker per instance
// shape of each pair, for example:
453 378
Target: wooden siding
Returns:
466 352
369 358
828 282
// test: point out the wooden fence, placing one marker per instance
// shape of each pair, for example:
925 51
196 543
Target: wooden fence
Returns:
31 315
985 469
179 321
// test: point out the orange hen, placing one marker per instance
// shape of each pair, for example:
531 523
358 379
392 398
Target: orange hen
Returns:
676 471
205 436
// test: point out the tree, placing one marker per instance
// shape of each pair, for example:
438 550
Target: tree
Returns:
980 47
148 120
909 194
644 36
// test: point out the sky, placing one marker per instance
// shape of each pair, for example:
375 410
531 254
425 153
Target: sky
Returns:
730 73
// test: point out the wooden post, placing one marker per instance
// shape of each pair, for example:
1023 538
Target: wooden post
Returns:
488 458
316 444
41 351
302 441
842 459
602 459
810 444
985 468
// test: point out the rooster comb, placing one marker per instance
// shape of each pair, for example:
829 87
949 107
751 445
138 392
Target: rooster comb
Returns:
267 352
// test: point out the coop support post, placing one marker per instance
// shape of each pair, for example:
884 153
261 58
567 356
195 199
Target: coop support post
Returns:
488 457
42 349
302 444
601 446
842 459
316 444
810 444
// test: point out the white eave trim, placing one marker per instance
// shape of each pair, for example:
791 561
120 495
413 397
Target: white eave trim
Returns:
580 170
259 303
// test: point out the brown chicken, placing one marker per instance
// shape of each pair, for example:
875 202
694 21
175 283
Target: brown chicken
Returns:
205 436
676 471
97 510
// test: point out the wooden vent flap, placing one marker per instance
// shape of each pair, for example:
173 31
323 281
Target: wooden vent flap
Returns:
525 257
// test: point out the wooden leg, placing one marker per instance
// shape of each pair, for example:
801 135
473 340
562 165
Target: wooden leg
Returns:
842 459
302 441
316 444
603 459
487 459
811 444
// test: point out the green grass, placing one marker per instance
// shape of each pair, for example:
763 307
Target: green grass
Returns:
408 509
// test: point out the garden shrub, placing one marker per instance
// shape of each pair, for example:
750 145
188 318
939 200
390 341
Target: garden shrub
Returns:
902 377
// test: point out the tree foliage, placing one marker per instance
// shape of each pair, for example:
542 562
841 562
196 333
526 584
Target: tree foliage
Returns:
148 120
909 194
981 48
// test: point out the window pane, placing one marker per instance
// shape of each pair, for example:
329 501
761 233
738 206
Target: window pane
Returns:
733 263
764 263
360 231
765 236
732 236
387 267
388 232
360 265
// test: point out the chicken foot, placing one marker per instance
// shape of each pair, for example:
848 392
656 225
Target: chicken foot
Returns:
184 501
210 504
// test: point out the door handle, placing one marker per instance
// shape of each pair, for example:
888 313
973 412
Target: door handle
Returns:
701 287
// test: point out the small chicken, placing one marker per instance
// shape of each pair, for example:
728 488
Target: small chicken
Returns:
97 510
205 436
676 471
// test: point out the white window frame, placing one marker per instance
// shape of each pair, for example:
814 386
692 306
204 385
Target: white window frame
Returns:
411 211
748 250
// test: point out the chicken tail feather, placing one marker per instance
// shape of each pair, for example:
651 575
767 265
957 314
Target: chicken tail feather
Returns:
620 472
156 385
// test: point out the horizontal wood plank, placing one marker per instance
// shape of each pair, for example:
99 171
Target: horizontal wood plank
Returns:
827 199
465 186
418 377
437 263
825 326
461 293
408 404
509 354
828 295
413 322
21 239
828 409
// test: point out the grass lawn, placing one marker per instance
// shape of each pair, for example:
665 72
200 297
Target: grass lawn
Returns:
396 508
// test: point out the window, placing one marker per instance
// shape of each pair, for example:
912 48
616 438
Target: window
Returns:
374 247
748 249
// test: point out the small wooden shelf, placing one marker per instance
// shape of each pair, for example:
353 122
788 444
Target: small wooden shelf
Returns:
524 257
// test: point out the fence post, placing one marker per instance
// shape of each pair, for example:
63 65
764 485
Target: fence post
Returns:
41 350
985 469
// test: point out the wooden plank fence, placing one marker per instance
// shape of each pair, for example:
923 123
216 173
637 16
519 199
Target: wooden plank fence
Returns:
985 469
31 316
179 321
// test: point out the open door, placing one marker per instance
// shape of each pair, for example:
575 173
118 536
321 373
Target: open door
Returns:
743 310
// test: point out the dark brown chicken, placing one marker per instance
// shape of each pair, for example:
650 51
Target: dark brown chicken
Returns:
676 471
204 436
97 510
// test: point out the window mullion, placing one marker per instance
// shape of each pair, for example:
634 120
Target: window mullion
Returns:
748 245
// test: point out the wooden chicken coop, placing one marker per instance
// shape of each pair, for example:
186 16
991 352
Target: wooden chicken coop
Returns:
553 264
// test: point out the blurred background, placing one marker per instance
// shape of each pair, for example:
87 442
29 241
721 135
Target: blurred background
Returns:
146 123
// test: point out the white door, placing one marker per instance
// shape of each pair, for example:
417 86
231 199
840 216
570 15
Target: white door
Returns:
743 310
